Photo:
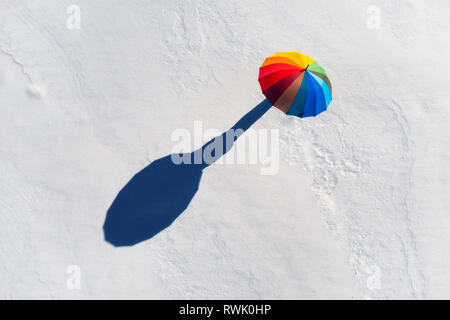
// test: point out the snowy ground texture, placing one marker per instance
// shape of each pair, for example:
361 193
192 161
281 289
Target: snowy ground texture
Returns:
360 205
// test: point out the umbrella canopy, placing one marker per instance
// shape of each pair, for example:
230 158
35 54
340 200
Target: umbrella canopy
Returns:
295 83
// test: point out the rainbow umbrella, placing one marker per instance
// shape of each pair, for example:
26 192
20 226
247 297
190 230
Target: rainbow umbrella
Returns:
295 83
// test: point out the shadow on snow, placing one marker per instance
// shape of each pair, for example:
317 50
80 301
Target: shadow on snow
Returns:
160 192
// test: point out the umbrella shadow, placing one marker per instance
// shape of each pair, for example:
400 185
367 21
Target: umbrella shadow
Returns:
160 192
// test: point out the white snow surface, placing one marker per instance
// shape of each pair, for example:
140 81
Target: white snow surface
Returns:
359 208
